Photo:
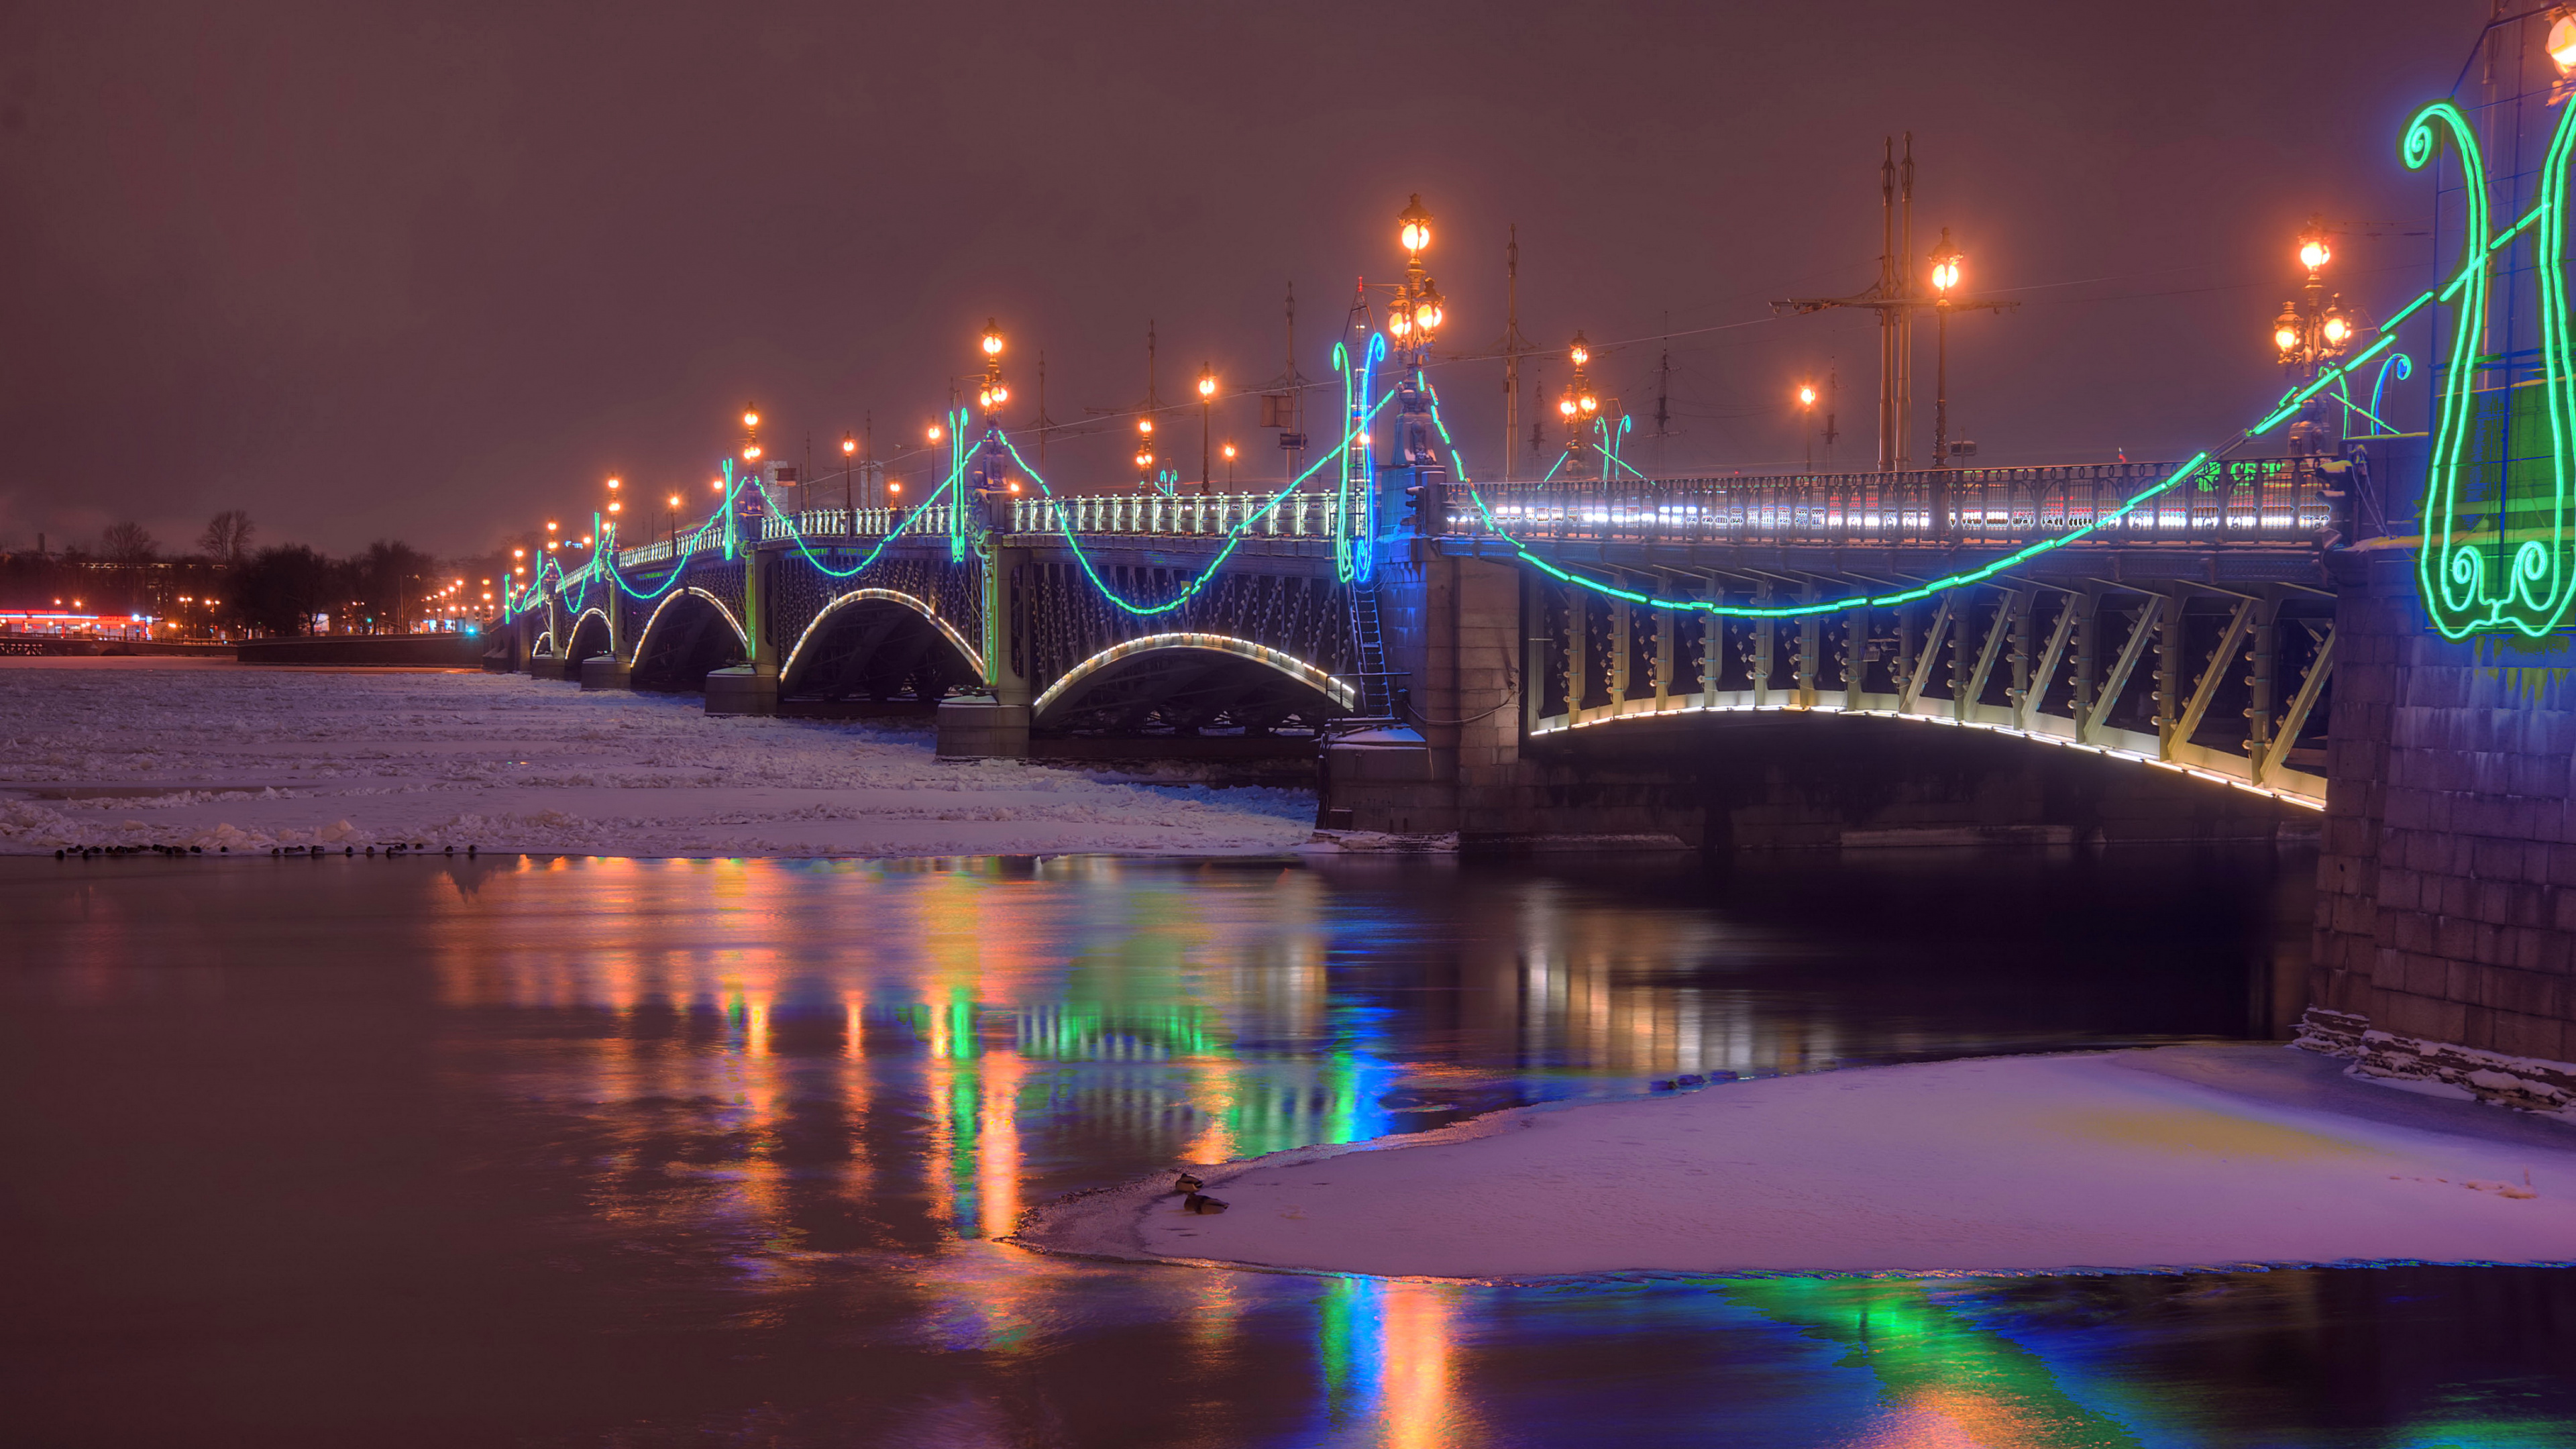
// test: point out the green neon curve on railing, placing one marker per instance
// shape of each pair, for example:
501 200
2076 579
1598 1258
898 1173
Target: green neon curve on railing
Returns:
1233 537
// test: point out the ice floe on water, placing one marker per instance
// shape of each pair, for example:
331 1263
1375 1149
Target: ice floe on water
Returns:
2177 1157
242 758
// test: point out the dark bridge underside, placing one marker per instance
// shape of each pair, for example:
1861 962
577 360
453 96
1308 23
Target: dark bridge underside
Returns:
690 638
880 651
1184 692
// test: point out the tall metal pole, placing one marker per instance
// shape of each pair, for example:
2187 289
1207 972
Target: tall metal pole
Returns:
1887 315
1941 384
1905 315
1511 347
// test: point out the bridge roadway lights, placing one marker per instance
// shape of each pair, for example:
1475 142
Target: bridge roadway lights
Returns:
980 727
742 689
606 671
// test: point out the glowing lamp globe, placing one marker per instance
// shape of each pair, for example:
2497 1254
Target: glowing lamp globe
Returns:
2336 328
2314 252
992 339
1807 395
1414 225
1207 385
750 419
2561 43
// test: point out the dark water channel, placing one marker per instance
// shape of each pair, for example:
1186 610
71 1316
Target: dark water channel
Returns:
555 1152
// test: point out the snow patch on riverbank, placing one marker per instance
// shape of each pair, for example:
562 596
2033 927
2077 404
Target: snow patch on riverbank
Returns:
192 752
2169 1158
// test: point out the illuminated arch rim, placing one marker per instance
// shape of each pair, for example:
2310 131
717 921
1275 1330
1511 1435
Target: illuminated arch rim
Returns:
914 602
601 615
740 635
1289 664
2137 757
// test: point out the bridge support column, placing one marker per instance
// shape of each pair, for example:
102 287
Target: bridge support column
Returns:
995 725
616 668
2446 905
750 687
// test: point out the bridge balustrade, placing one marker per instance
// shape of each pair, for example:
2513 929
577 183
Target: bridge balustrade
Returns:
1300 515
2249 501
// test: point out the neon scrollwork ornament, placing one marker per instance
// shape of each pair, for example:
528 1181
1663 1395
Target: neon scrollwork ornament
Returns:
2488 565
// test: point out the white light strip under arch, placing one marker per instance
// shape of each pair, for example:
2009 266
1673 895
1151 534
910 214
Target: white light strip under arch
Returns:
1288 664
914 602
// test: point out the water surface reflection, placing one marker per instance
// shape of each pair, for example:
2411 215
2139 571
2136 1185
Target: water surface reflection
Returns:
647 1152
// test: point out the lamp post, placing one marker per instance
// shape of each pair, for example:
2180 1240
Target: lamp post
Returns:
1578 406
849 466
1228 450
1144 451
992 394
675 525
2312 332
1945 275
1207 404
1414 322
1807 420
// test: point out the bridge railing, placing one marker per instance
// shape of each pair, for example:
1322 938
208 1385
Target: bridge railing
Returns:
1300 515
2252 501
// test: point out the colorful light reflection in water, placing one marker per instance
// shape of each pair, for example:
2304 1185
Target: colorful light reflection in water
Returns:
762 1123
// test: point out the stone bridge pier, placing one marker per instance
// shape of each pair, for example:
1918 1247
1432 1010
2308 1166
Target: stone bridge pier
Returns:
2446 930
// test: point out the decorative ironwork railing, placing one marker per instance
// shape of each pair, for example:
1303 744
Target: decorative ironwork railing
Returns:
2250 501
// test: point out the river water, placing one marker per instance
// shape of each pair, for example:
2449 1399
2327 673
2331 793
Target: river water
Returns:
643 1153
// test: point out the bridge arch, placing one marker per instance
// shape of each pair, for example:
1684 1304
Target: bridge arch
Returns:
881 644
592 633
690 633
1186 682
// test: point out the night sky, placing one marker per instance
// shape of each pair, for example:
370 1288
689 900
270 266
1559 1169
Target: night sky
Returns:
434 271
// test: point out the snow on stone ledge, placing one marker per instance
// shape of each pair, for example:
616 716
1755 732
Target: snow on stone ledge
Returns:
224 756
2168 1158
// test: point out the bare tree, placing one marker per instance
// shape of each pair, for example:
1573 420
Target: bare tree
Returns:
128 543
227 536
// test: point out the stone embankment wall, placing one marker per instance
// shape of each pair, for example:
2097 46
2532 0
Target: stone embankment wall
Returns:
2446 910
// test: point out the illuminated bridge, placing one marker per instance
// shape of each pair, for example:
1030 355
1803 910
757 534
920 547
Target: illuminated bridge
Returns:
2218 646
1450 652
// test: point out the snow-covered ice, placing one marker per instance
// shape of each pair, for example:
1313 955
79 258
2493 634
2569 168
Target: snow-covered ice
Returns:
2172 1157
196 752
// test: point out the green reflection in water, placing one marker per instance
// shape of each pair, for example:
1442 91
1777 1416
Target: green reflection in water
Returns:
1935 1370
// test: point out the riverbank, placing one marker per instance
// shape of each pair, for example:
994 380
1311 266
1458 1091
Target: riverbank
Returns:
227 757
2171 1157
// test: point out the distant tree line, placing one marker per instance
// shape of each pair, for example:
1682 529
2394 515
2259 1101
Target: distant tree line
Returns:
229 584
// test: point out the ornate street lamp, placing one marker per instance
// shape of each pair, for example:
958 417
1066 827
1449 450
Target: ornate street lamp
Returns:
1578 406
2312 333
1207 405
992 394
1945 277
